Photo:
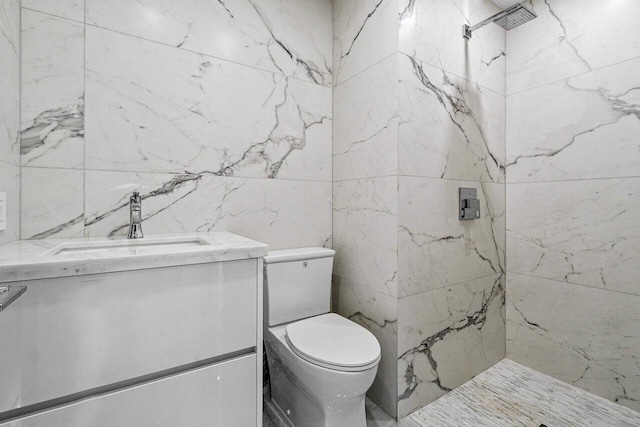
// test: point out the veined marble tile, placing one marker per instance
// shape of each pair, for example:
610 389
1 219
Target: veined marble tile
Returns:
365 218
52 91
582 127
292 37
571 37
160 109
52 203
364 32
435 248
583 232
449 128
511 395
446 337
587 337
432 31
10 184
365 132
378 313
280 213
9 81
70 9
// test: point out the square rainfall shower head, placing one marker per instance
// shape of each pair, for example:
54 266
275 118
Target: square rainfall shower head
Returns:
515 18
508 19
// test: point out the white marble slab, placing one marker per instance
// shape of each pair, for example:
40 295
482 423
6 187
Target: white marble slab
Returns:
365 218
378 313
582 127
364 33
52 91
10 81
194 115
52 203
583 232
431 30
449 127
435 248
447 336
512 395
281 213
570 37
10 184
585 336
290 37
70 9
39 259
365 132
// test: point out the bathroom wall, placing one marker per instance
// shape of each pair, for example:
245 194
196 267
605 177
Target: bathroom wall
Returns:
573 192
220 113
10 116
451 133
365 173
418 113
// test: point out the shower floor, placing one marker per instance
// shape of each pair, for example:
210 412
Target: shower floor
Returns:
510 395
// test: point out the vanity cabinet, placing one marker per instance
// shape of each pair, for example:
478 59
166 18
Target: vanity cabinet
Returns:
176 345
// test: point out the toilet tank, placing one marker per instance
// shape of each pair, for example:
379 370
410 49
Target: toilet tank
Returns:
297 284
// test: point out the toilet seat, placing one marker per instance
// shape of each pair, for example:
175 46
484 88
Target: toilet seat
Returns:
333 342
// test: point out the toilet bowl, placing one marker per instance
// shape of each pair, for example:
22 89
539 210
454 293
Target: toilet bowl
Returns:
321 386
320 364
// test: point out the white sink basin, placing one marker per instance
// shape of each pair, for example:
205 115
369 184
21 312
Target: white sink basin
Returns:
128 247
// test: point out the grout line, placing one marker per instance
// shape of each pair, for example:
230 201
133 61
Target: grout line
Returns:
574 284
436 178
64 18
452 285
84 120
572 76
368 68
207 55
574 180
183 49
19 136
180 173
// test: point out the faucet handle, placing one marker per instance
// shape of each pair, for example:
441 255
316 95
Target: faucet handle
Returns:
135 198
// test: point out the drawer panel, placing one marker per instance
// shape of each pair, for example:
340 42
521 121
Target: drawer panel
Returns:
83 332
218 395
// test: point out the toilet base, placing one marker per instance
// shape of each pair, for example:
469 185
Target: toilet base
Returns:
310 395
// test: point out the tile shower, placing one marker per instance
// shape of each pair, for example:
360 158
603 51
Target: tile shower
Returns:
352 125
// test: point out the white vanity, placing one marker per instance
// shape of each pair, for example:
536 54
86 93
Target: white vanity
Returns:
161 331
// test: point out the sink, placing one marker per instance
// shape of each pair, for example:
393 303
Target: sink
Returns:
128 247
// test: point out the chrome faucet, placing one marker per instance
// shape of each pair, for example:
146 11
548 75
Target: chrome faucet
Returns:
135 215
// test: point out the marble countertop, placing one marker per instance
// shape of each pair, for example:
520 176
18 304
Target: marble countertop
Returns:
43 259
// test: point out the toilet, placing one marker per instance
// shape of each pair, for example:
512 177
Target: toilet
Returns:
321 364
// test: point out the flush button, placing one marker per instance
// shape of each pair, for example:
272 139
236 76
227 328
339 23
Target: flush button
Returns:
305 264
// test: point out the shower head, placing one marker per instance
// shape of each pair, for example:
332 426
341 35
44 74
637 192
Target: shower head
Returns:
509 18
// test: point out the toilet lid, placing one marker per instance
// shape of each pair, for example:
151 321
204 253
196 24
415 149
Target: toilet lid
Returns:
334 342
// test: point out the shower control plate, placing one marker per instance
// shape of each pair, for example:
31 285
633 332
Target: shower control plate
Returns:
469 204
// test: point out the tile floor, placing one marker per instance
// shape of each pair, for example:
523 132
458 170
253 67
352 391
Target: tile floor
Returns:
511 395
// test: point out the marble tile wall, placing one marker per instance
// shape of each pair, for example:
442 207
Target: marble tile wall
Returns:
219 113
451 292
418 113
573 180
10 116
365 189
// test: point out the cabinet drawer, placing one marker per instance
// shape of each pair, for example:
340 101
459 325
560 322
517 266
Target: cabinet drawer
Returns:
217 395
79 333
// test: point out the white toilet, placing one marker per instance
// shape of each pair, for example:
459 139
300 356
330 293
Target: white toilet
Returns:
321 364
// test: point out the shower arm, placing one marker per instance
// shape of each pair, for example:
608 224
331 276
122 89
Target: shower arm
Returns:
467 30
